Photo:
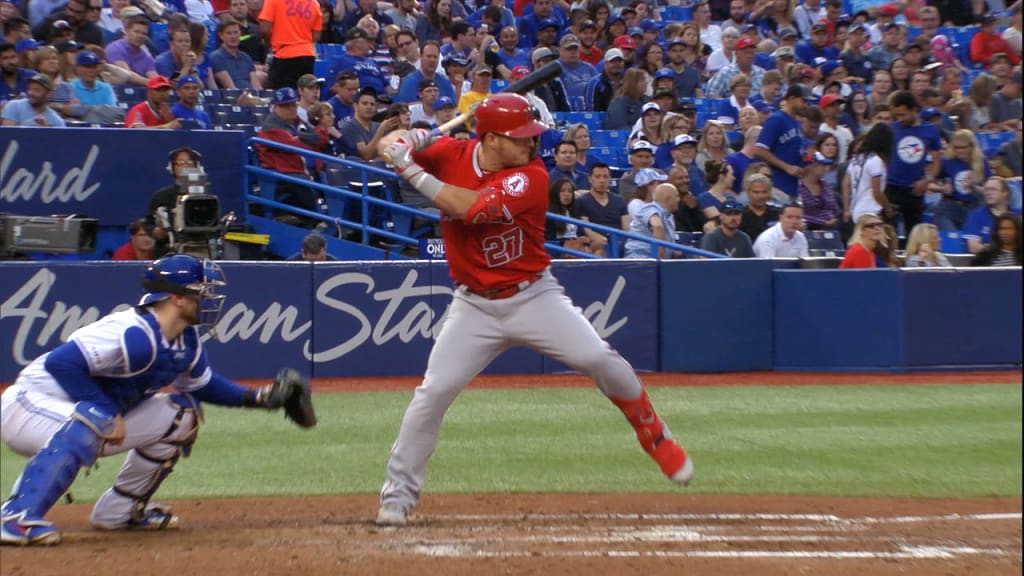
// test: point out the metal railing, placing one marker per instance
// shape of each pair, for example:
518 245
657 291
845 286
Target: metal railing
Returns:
616 236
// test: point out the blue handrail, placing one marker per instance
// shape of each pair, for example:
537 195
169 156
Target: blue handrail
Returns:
367 200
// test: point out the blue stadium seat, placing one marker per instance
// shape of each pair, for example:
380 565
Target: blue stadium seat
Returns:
130 94
827 241
227 114
677 13
211 96
1015 193
498 85
952 243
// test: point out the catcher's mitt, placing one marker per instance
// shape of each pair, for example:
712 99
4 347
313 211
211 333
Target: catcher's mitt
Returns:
291 391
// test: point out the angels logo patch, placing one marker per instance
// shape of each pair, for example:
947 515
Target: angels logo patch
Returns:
515 185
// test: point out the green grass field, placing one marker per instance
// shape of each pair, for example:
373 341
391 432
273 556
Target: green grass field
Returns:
934 441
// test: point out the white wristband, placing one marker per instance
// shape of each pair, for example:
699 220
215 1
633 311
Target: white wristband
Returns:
427 184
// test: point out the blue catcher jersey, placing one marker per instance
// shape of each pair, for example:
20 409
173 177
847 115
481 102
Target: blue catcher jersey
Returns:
120 360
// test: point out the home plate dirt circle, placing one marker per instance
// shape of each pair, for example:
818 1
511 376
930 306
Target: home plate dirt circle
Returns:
550 534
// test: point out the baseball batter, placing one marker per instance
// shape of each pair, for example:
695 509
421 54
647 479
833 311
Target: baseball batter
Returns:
96 395
493 192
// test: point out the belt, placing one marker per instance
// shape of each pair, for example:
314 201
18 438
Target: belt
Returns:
507 292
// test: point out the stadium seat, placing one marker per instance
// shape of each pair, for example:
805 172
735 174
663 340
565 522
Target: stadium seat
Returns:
677 13
211 96
952 243
1015 193
130 94
227 114
827 241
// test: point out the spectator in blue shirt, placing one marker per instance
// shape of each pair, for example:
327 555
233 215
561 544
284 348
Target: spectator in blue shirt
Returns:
365 7
430 56
358 46
509 54
13 80
915 160
188 97
565 166
575 72
33 110
233 68
544 16
87 88
882 55
962 178
780 143
978 229
817 46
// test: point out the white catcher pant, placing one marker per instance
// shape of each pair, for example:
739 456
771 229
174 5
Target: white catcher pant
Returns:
474 333
29 418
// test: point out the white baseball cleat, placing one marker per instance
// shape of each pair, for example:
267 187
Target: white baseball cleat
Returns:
685 474
391 515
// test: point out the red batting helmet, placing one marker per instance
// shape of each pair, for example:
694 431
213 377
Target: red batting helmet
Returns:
509 115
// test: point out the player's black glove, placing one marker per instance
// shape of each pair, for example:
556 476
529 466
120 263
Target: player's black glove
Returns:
289 390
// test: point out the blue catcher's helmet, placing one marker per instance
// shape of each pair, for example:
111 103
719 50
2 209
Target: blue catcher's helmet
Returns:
186 275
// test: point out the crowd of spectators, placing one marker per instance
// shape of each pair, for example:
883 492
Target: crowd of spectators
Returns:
773 121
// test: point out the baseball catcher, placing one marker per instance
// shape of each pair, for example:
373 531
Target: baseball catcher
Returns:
96 395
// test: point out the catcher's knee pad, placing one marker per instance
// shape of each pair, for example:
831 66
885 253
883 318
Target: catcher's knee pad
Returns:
52 470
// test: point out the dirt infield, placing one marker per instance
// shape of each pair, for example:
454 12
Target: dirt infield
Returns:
559 534
553 534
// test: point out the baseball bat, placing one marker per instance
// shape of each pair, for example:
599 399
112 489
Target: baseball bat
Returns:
535 79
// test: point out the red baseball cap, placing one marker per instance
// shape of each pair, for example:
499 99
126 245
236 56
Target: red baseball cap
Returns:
745 42
828 99
889 10
520 71
625 41
157 82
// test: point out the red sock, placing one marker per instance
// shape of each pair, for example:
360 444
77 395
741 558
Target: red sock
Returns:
641 415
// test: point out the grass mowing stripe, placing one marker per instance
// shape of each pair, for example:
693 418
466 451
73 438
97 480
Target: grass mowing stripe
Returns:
961 440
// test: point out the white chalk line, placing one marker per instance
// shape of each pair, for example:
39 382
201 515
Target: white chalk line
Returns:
905 553
824 518
669 533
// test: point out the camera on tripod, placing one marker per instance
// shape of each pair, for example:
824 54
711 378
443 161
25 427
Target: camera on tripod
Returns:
196 211
195 224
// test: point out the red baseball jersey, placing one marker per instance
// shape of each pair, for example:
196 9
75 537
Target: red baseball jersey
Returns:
503 243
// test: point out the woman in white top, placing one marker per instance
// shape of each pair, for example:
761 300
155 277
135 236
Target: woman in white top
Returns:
863 185
723 56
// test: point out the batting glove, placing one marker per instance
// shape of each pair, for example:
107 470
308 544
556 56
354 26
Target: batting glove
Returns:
419 139
400 153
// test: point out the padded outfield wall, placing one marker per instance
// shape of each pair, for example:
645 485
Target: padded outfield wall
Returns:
339 319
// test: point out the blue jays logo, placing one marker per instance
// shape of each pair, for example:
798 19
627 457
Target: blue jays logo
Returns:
910 149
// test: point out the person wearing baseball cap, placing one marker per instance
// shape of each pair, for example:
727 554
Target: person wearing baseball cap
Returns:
87 87
727 238
989 41
575 72
308 88
853 56
358 49
590 52
547 33
154 111
654 219
553 93
882 54
816 195
817 46
479 88
187 107
831 109
424 109
641 155
719 84
601 89
781 144
627 45
445 109
33 109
